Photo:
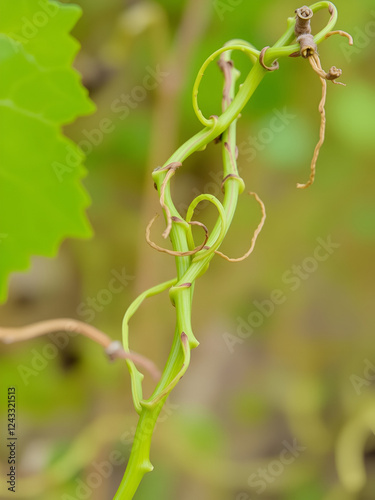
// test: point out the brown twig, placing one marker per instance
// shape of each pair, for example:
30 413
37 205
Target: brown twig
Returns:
112 348
230 176
226 67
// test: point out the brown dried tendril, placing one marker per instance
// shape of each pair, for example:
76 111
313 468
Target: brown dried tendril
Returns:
275 64
173 252
255 235
309 50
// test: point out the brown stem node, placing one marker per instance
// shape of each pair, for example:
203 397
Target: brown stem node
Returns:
229 176
226 68
331 10
307 44
303 31
184 285
303 16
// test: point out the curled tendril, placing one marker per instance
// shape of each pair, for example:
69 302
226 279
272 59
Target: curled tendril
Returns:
239 41
246 48
152 402
255 235
212 246
173 252
135 375
275 64
332 20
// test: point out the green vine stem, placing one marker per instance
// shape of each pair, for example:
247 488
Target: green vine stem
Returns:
192 262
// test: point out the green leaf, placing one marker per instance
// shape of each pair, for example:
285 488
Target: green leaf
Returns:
42 199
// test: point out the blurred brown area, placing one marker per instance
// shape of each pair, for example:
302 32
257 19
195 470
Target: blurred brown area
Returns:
279 400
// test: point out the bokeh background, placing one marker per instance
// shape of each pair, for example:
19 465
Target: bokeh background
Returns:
304 376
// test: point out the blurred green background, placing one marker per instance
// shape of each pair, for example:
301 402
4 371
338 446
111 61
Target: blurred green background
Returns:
305 375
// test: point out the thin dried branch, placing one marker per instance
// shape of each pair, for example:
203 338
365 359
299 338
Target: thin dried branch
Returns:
112 348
